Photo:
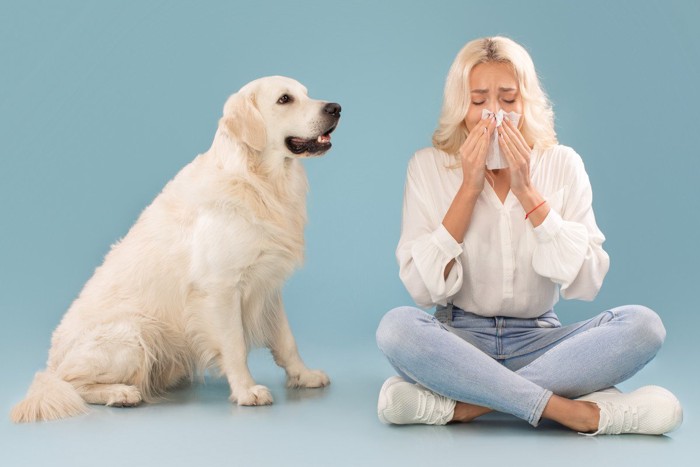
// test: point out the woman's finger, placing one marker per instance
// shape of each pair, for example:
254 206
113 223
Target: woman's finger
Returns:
489 136
505 149
475 134
519 158
471 140
484 142
516 137
518 163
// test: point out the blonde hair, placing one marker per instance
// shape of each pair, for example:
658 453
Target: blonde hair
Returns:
538 117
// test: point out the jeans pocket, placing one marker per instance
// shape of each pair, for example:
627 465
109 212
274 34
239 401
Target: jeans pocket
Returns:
548 321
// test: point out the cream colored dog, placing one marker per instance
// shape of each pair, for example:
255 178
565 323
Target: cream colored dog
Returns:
197 280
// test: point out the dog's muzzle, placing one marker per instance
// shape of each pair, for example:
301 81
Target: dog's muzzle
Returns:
321 143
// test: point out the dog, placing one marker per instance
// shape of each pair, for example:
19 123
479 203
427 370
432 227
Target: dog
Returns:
197 280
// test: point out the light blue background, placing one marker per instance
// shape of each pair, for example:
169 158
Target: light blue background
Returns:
101 103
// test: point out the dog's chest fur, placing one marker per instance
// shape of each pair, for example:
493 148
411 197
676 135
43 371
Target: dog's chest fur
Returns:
259 219
277 217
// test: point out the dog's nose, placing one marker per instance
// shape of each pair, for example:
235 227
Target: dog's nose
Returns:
332 109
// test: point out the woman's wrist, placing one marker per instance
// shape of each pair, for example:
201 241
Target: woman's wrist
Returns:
458 216
469 192
534 204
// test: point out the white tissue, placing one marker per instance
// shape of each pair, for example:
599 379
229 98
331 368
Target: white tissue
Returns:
494 159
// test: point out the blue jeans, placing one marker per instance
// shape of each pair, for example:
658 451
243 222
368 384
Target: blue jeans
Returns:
514 365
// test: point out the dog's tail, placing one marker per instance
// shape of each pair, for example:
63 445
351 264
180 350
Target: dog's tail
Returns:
49 398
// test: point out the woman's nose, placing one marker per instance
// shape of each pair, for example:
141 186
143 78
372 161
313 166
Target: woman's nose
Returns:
494 108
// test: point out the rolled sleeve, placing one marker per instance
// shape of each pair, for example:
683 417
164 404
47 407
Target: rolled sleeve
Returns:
549 228
446 242
561 249
426 247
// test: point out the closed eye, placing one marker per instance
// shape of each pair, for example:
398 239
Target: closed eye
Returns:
285 99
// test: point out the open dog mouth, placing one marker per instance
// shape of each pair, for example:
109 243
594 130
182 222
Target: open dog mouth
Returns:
314 146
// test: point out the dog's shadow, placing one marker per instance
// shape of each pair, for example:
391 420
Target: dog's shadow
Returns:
302 394
215 391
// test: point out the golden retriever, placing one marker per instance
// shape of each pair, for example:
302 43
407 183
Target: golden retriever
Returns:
197 281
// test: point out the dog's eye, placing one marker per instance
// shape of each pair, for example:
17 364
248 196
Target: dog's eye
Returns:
285 99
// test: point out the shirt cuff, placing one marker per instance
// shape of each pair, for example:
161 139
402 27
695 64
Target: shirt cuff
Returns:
446 242
549 228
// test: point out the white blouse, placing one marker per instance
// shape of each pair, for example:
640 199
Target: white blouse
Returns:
504 266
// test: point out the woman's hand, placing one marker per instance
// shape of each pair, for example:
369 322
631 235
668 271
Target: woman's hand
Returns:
473 155
517 152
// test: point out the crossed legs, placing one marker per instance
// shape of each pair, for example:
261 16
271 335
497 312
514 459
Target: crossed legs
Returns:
609 349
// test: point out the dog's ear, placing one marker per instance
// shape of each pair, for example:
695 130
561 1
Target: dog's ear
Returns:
242 121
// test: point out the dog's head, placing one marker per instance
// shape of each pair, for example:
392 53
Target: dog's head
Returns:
275 115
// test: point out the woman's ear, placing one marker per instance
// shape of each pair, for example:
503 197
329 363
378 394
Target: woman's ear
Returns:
242 121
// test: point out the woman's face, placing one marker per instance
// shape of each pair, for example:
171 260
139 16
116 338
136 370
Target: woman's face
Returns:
492 86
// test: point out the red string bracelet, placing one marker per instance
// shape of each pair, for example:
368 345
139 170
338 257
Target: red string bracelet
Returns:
534 209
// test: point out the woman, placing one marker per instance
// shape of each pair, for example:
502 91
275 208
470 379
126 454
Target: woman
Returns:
492 246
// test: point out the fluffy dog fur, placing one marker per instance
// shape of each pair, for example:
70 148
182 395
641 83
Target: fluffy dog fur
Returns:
197 280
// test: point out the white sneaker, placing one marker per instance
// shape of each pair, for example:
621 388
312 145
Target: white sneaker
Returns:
650 410
404 403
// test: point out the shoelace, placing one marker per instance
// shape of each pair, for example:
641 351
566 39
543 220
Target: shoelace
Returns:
423 399
621 418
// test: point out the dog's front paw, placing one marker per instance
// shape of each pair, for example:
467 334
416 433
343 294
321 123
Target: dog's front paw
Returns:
255 395
308 379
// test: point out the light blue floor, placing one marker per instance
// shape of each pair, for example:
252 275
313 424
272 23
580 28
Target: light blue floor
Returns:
334 426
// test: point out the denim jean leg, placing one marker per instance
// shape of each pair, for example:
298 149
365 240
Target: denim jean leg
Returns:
418 346
606 351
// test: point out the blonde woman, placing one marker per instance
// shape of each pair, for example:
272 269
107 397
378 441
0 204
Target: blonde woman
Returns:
497 223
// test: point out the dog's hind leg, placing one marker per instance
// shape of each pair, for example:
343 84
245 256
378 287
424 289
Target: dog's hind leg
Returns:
285 352
108 364
114 395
